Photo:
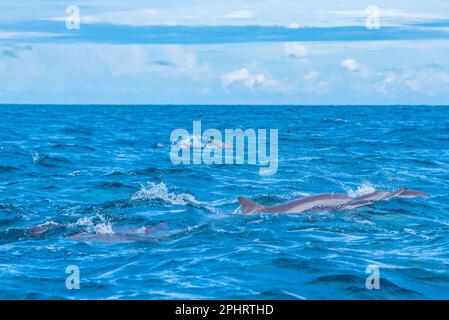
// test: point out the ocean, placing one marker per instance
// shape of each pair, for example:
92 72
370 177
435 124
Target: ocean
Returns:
154 230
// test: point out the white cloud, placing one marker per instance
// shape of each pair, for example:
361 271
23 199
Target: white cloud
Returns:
429 81
249 79
90 72
387 14
295 49
307 13
7 35
350 64
313 83
151 17
171 60
132 18
390 17
312 75
389 81
242 14
141 17
293 25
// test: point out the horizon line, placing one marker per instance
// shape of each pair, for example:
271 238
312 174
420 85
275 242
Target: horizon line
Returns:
221 105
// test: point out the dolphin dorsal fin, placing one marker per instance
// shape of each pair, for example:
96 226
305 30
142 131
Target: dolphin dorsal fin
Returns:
249 206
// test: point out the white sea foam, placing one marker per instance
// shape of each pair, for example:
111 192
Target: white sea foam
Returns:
160 191
361 190
91 226
141 230
48 223
36 157
104 228
85 222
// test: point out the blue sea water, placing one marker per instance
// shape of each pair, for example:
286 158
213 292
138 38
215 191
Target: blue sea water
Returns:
100 169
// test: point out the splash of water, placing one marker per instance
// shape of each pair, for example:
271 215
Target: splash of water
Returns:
91 225
35 156
160 191
104 228
361 190
187 142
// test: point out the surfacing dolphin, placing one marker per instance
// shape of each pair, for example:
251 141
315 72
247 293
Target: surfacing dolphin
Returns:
122 234
113 234
327 202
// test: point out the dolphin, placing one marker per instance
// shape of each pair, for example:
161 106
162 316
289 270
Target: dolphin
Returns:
326 202
122 234
108 237
297 205
116 234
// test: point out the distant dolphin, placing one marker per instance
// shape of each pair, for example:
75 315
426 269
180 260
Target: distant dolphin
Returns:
326 202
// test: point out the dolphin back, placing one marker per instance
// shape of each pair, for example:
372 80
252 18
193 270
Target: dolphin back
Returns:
249 206
413 194
328 201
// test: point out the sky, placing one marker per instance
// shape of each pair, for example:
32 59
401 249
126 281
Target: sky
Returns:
225 52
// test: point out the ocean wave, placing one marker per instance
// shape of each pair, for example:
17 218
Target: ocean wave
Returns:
152 171
50 161
72 146
111 185
76 130
11 211
6 169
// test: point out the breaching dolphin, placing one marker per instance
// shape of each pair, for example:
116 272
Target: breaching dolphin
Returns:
327 202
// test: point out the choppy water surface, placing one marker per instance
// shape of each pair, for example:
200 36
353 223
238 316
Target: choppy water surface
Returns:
106 171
